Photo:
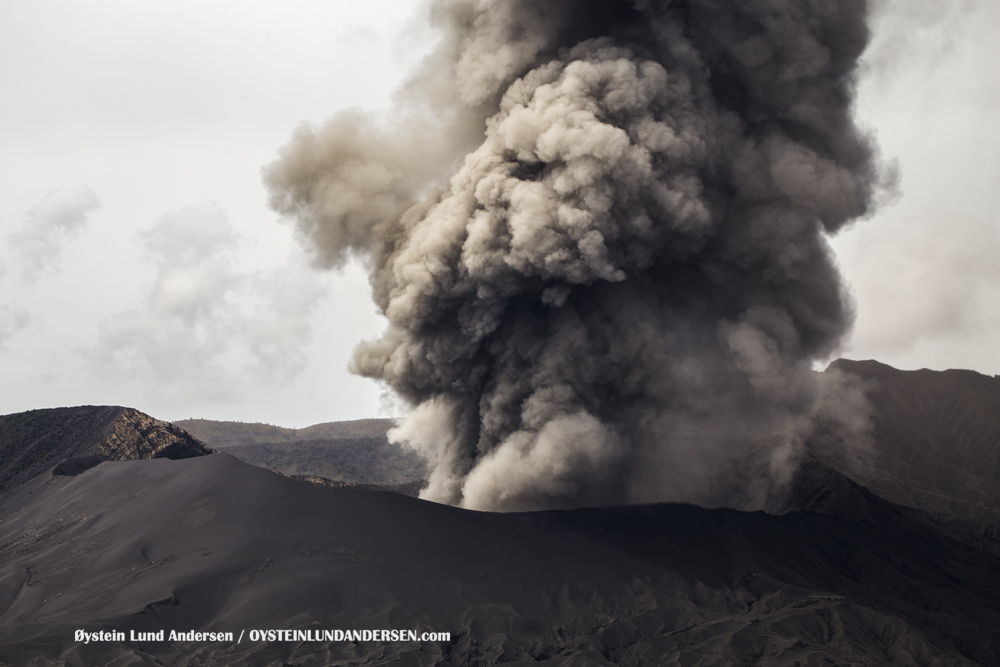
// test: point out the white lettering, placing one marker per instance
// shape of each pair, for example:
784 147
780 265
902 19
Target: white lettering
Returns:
193 636
99 636
321 635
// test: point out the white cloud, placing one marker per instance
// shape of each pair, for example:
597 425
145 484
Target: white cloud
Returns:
205 327
919 33
12 320
47 227
925 279
923 271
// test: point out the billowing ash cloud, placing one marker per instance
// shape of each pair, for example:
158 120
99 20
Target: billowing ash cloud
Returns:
626 278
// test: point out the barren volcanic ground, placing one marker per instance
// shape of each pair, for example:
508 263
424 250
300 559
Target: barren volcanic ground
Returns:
210 543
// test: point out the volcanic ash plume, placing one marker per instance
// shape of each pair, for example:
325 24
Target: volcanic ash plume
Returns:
626 278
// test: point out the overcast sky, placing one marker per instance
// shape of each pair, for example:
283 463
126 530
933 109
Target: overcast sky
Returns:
140 265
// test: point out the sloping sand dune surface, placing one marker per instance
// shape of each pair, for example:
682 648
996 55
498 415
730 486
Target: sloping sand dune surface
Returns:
213 544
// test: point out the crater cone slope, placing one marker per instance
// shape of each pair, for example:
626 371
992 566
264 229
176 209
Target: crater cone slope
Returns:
211 543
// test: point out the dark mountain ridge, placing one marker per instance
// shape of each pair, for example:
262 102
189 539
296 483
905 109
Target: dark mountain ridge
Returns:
223 434
934 443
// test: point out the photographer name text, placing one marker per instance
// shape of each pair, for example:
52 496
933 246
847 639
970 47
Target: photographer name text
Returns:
311 635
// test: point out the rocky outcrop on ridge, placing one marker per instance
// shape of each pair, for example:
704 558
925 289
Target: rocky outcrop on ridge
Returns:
68 441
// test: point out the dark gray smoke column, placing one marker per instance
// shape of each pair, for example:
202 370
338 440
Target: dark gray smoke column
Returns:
626 279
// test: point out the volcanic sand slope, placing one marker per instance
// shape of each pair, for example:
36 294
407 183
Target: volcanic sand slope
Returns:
354 452
211 543
74 439
936 443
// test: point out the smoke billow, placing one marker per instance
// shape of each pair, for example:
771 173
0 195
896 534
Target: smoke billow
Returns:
626 279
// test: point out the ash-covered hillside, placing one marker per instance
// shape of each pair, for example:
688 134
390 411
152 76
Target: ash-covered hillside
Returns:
933 443
873 562
217 545
351 452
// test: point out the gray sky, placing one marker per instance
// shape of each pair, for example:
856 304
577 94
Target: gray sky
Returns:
140 265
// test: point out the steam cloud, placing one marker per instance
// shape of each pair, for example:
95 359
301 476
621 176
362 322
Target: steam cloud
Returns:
626 279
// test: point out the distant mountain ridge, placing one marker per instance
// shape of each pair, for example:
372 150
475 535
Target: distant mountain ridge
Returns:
351 452
935 443
223 434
